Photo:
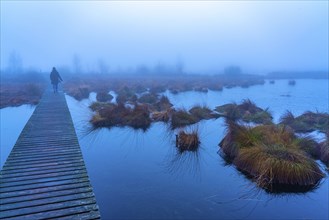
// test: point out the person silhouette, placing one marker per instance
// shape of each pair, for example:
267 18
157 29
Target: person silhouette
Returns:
55 78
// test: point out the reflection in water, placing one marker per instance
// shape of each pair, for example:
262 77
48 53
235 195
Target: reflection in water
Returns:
183 163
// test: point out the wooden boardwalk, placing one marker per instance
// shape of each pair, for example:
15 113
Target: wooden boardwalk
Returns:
44 176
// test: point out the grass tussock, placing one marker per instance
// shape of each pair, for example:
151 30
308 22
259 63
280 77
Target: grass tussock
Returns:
271 155
187 141
278 166
78 92
247 111
324 151
201 112
163 104
126 94
103 96
110 115
150 98
163 116
16 94
182 118
307 122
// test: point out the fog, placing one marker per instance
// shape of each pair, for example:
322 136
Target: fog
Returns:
203 37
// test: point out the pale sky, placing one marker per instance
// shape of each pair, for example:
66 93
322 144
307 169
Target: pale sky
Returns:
206 35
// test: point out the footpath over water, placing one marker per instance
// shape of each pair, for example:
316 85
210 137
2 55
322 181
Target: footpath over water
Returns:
44 176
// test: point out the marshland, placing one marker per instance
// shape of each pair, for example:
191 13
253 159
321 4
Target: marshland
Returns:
169 147
185 109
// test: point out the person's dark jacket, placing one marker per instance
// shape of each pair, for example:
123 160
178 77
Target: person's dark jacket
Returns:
55 77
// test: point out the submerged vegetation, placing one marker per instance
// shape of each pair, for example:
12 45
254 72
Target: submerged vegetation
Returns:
247 111
272 155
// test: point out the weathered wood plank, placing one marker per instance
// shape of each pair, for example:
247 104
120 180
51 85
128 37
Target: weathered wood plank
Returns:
24 170
43 209
38 202
22 179
33 183
45 176
26 163
68 213
64 191
39 172
48 189
17 167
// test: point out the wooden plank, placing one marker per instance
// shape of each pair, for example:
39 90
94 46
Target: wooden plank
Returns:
38 153
41 157
83 216
77 188
48 189
56 159
18 167
38 202
42 210
33 183
44 176
28 170
38 172
79 212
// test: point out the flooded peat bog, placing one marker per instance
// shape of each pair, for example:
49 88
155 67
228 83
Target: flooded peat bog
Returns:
164 109
143 171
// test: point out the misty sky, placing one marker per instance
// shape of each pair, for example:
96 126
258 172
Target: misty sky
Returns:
206 36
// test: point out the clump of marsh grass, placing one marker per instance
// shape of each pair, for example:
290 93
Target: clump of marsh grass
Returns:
97 106
271 155
126 94
163 116
182 118
150 98
78 92
273 165
324 151
202 112
109 115
229 146
163 104
247 111
287 118
187 141
104 96
309 145
139 118
307 122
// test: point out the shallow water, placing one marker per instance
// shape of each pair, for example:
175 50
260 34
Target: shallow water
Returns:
141 175
12 122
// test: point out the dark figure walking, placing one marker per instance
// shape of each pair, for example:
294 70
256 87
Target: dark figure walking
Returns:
55 79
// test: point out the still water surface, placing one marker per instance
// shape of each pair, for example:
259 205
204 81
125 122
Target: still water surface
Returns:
141 175
138 175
